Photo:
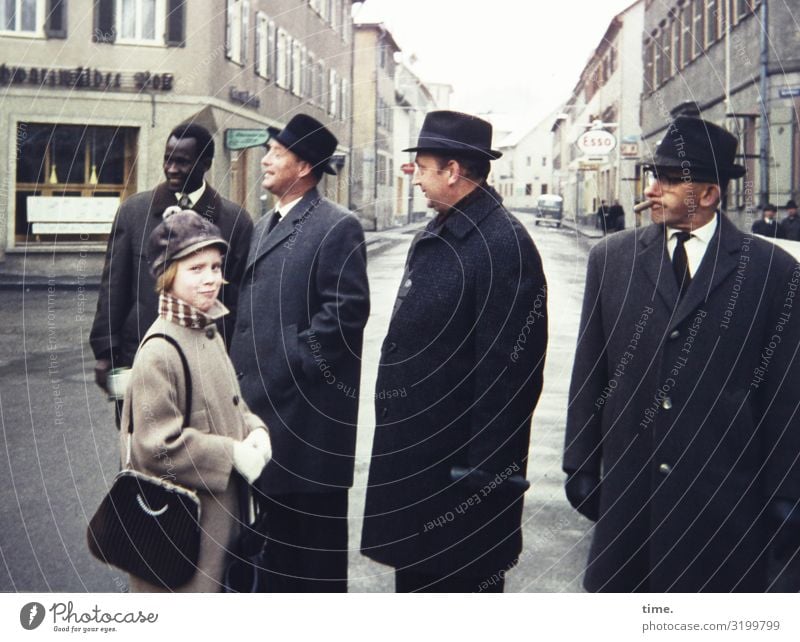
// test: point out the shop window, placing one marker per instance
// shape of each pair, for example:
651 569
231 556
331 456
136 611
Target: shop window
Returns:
85 167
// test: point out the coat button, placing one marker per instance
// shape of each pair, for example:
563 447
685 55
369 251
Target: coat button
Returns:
210 333
391 347
235 400
664 469
384 412
666 404
674 334
240 375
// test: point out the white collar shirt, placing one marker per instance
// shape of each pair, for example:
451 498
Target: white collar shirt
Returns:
192 196
696 245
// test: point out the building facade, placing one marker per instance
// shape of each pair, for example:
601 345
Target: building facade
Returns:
372 189
606 98
725 55
91 91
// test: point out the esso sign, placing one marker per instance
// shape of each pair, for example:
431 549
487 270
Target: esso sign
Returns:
596 141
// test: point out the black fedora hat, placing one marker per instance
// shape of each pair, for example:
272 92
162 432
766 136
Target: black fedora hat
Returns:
452 131
700 150
309 139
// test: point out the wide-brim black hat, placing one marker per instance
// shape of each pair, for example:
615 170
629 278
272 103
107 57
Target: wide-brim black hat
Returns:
309 139
698 149
454 132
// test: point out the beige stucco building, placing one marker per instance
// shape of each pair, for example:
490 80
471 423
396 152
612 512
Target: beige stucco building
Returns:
90 92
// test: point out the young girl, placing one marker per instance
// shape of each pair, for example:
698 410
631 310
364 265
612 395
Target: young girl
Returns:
222 435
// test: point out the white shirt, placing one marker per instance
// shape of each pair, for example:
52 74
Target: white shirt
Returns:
193 196
696 246
285 209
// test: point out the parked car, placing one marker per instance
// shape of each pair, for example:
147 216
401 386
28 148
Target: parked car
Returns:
549 208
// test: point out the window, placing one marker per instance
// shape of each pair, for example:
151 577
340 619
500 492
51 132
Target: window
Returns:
140 21
649 64
528 189
308 76
543 189
544 161
71 161
675 28
666 53
345 100
698 27
658 67
333 94
237 28
712 21
282 62
319 83
263 46
21 16
297 68
686 35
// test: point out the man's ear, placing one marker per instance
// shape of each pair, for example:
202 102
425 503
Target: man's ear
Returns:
710 195
304 169
455 172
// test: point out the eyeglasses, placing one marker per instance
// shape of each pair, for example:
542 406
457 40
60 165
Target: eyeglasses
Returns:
665 179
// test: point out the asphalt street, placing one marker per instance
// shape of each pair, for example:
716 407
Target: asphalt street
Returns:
60 449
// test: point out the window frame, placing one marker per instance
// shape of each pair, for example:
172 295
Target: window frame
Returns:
38 30
159 27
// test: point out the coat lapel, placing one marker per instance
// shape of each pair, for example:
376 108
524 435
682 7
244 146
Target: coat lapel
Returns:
653 259
264 242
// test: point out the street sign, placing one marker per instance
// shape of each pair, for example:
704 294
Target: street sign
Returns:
244 138
629 149
407 168
789 92
596 141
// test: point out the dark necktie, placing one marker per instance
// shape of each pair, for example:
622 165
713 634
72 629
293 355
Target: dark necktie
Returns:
185 202
276 218
680 262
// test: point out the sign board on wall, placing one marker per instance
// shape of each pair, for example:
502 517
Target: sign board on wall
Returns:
596 141
71 214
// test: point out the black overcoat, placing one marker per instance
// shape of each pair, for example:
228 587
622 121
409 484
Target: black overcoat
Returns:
303 306
688 409
127 303
459 377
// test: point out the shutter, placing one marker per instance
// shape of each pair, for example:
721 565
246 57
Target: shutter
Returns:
56 22
176 23
104 28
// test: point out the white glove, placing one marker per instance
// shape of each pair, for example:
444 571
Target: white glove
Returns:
260 442
247 461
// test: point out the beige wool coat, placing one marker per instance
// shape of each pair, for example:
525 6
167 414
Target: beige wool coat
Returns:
200 456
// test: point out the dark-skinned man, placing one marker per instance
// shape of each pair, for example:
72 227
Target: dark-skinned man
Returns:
128 304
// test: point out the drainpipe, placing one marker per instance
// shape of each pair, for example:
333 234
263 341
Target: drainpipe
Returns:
763 154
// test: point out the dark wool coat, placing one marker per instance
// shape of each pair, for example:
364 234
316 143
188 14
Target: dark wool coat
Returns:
790 228
199 456
688 410
459 377
128 303
765 228
303 306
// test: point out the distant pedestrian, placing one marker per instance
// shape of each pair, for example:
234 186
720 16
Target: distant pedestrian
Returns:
128 303
683 436
790 226
602 217
768 224
616 217
222 436
459 377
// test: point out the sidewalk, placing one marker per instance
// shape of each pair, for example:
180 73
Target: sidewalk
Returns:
90 275
589 231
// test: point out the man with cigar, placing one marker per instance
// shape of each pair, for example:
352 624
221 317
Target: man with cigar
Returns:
459 376
128 303
768 225
297 350
683 437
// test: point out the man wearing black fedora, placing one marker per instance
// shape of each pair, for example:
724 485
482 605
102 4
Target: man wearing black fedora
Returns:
303 306
683 437
459 376
790 226
768 225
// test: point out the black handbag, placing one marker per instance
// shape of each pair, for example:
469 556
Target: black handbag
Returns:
145 525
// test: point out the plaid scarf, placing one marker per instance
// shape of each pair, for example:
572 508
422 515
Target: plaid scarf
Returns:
183 314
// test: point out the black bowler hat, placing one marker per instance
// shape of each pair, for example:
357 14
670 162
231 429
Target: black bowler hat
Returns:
791 205
309 139
454 132
699 150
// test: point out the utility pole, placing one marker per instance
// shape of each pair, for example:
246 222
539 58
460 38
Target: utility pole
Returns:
763 90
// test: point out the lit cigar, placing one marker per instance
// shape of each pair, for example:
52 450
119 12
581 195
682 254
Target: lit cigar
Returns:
644 205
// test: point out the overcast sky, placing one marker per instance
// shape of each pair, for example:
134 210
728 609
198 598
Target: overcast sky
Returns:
520 58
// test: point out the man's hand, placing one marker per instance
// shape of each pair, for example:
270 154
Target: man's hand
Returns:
101 369
583 493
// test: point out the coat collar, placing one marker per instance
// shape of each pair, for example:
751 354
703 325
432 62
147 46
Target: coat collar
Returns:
466 215
718 262
208 206
264 242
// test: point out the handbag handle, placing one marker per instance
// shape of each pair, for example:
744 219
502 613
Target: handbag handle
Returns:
187 377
